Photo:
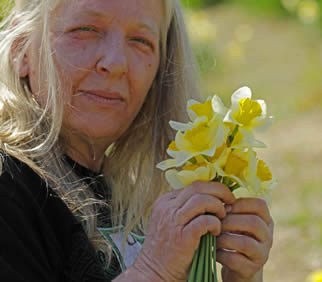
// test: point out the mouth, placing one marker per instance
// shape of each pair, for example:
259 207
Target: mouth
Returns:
104 97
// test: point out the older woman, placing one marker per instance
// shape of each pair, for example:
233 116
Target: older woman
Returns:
79 77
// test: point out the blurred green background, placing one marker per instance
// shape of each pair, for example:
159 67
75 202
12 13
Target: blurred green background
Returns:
275 48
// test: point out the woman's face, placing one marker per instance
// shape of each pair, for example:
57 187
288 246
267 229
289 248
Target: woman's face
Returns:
107 55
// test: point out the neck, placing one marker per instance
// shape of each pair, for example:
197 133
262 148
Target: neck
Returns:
88 154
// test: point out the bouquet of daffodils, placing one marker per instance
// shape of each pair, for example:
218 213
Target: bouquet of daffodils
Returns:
217 144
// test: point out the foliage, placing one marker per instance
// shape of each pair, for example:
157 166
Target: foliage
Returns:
5 6
199 3
307 11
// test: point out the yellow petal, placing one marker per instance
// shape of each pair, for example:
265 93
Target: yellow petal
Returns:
204 109
236 164
198 136
263 171
200 174
173 146
248 110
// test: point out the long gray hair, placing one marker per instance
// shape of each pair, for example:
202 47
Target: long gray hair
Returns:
31 133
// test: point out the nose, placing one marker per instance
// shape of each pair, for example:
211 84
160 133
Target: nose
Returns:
113 59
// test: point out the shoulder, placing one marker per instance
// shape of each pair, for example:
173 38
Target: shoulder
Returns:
20 183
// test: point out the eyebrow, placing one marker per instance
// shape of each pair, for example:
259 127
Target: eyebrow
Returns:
149 27
143 25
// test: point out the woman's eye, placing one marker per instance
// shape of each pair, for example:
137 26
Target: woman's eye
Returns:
84 32
84 28
143 41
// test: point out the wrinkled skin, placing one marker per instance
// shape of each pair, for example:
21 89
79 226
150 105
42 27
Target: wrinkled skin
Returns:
180 218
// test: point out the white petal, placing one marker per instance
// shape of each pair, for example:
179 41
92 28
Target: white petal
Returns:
164 165
218 106
192 102
187 177
181 157
203 174
222 134
242 193
241 93
199 120
249 140
210 152
171 177
192 115
263 105
261 125
229 118
179 126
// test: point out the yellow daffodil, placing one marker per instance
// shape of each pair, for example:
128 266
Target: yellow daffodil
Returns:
259 181
202 138
316 276
197 112
196 109
216 145
202 109
233 165
250 115
189 174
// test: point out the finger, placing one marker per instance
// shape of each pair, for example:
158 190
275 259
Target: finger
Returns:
252 206
214 189
245 245
237 263
249 224
198 205
200 226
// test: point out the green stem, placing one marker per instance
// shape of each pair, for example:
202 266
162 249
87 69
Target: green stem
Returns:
193 271
201 262
208 258
214 259
232 136
203 268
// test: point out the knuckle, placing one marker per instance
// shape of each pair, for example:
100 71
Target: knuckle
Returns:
254 222
246 245
196 230
195 187
262 205
204 221
203 203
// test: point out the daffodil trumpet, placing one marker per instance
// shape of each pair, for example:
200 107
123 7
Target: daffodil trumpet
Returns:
217 144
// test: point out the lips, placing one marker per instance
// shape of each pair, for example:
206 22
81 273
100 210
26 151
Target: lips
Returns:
104 98
110 95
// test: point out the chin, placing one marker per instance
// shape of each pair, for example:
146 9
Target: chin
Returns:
102 133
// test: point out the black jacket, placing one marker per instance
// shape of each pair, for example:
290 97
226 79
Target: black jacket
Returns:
40 239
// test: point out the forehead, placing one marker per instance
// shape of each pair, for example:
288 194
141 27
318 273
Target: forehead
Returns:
109 10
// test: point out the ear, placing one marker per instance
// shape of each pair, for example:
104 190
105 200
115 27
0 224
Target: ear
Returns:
23 66
20 62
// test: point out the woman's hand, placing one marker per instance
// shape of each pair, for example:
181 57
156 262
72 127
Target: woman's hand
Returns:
178 221
247 231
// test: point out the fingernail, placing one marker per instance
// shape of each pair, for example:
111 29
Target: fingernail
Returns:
228 208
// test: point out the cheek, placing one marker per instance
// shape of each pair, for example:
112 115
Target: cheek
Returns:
73 59
142 76
72 63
